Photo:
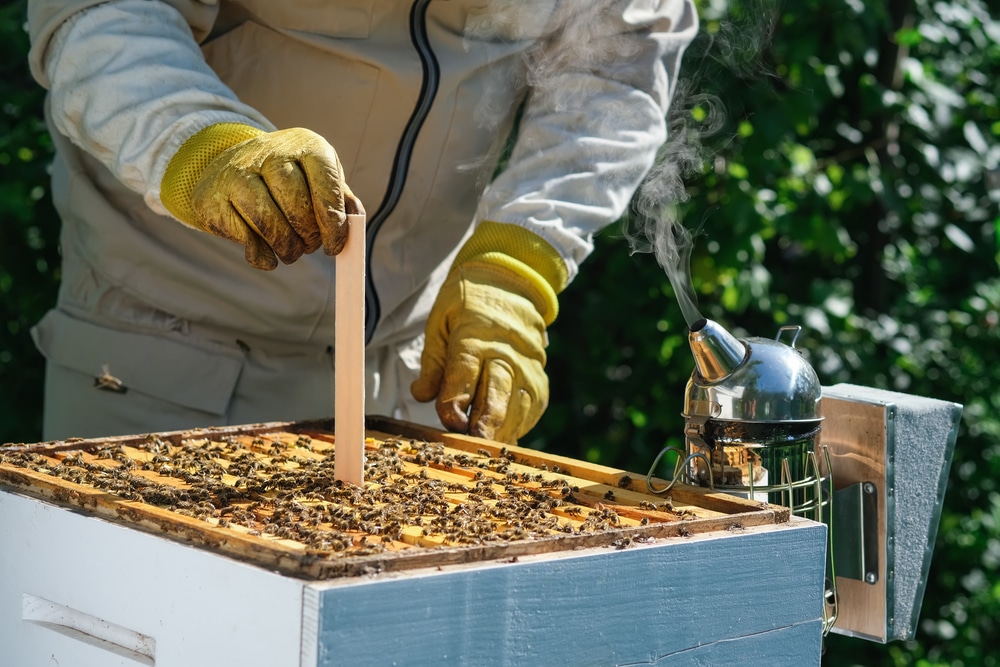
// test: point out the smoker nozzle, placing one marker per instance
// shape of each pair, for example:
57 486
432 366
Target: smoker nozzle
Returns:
717 353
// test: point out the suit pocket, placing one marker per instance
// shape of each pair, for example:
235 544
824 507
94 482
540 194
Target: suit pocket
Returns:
188 376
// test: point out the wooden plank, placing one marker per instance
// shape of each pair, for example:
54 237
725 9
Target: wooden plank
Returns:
855 434
349 356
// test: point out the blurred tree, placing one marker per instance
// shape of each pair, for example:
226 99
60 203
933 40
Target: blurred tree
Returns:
29 231
847 181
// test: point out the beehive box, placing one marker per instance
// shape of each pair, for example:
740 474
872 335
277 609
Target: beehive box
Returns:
266 494
434 505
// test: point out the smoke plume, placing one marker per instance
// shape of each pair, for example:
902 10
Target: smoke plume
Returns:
732 39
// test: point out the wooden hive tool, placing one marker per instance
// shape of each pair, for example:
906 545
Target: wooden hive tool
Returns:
349 356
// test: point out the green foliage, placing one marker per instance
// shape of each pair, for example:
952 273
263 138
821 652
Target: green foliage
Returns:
840 179
848 190
29 258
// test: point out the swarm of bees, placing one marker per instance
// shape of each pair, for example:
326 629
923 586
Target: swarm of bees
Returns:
415 493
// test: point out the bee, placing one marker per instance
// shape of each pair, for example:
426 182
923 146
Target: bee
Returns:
108 382
284 532
622 542
75 460
610 495
337 544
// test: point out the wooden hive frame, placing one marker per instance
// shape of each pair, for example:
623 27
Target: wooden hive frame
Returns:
575 504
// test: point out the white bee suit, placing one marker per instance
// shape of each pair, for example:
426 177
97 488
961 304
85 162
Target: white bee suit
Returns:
419 100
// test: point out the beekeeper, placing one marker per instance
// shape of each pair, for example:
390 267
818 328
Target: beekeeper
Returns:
208 151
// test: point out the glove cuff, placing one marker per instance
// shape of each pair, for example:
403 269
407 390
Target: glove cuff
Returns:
515 276
520 244
189 162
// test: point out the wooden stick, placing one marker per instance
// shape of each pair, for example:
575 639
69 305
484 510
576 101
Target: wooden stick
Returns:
349 357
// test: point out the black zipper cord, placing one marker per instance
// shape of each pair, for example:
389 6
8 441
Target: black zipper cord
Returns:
401 163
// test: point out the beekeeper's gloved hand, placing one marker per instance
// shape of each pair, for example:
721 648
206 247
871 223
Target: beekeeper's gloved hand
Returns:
484 354
281 194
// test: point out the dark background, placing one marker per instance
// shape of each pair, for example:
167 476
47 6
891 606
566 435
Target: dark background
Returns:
841 174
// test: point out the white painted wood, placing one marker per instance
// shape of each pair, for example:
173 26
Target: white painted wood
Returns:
717 598
198 608
129 643
349 356
36 645
309 656
751 596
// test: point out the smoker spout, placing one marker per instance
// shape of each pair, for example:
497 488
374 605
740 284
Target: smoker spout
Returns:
716 352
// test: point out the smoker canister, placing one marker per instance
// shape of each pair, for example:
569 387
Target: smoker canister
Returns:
751 420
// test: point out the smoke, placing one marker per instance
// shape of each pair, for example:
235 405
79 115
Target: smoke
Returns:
655 224
566 35
730 45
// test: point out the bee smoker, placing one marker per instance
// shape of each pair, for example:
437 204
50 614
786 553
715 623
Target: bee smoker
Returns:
751 421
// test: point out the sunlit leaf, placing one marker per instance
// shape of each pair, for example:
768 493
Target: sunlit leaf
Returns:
959 238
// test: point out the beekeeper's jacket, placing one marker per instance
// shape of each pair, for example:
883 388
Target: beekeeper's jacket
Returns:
418 98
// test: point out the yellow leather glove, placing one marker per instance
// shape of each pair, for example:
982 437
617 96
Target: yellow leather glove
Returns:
281 194
484 354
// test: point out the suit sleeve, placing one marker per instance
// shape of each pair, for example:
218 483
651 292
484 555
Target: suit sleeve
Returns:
128 84
595 118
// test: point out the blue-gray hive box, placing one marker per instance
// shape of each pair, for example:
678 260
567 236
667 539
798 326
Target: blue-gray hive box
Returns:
93 578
